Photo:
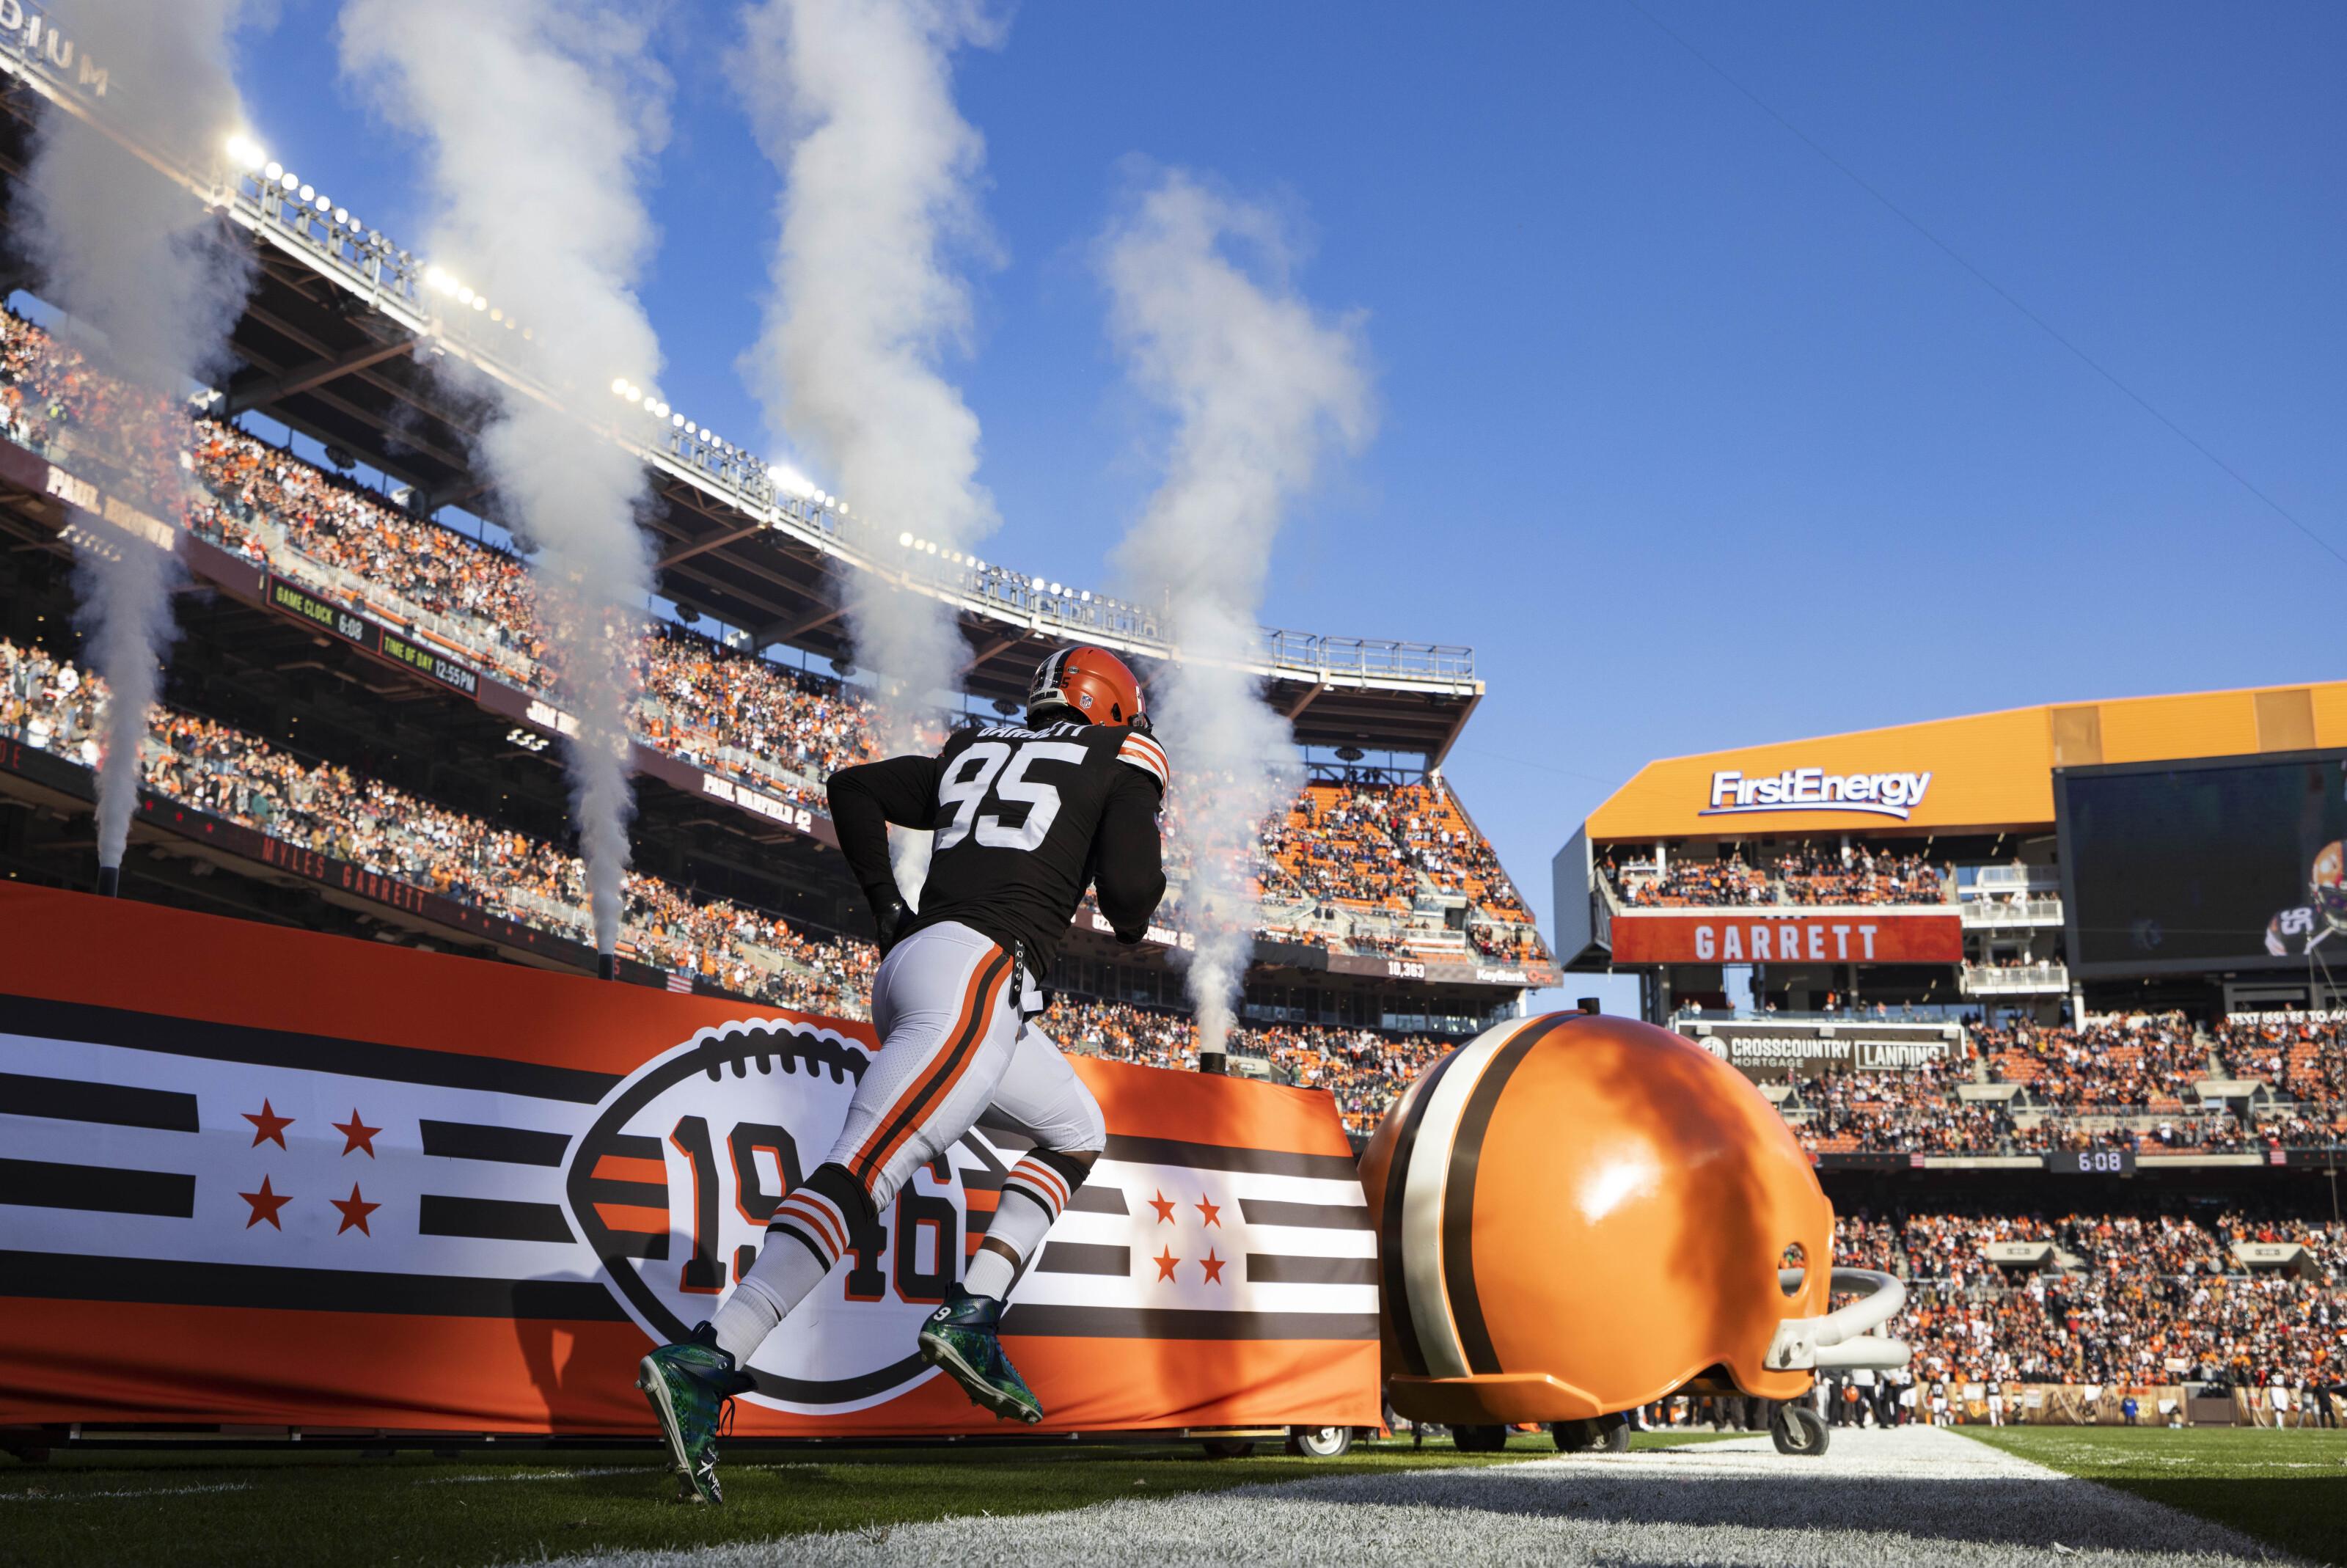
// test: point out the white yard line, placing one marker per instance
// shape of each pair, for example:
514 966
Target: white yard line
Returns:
1887 1499
129 1492
497 1476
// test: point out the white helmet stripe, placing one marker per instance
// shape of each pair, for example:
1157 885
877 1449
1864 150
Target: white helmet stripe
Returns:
1423 1190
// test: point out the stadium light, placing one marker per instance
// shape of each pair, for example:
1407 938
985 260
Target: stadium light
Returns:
274 171
342 215
288 180
245 152
620 386
676 421
904 541
308 191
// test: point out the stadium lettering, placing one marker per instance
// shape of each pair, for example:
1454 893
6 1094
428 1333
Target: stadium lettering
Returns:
1779 941
72 491
547 716
1814 789
39 39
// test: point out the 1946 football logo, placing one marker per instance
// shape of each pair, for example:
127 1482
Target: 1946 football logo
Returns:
686 1158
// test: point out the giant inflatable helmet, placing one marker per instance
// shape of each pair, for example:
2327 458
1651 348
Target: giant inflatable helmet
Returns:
1578 1215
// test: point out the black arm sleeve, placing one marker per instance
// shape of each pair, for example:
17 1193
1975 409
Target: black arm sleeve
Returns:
1131 876
865 800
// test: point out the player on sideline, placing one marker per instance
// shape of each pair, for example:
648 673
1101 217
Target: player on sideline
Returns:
1027 817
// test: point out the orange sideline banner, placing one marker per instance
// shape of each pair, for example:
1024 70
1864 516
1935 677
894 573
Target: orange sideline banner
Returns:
259 1177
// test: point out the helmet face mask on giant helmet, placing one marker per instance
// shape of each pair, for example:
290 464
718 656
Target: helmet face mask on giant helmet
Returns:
1089 685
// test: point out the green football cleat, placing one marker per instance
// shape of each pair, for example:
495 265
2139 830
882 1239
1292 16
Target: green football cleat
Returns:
964 1336
690 1386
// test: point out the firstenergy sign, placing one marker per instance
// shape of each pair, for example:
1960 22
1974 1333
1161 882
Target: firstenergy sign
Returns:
1814 789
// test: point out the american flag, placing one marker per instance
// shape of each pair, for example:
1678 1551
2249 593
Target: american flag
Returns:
680 983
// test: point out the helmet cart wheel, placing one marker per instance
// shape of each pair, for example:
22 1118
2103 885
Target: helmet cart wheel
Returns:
1320 1442
1797 1430
1480 1439
1598 1434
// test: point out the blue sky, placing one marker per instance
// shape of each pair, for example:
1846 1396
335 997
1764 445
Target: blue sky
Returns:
1691 439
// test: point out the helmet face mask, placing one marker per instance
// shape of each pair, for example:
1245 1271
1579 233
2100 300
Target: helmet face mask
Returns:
1089 685
2327 882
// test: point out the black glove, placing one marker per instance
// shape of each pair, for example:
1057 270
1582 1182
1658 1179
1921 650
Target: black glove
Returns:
891 917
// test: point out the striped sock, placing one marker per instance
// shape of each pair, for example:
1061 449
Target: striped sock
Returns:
1046 1181
808 1234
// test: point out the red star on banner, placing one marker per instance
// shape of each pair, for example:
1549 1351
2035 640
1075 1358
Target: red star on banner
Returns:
1214 1267
1165 1261
265 1204
268 1125
1164 1207
1214 1211
354 1208
356 1135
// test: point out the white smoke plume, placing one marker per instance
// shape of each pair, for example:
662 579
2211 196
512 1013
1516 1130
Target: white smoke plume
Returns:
540 118
153 287
1259 386
853 102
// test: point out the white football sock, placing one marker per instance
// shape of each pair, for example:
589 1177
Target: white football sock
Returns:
989 1274
1020 1222
785 1272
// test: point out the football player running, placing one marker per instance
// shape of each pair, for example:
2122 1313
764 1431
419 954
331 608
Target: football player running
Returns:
2302 932
1026 817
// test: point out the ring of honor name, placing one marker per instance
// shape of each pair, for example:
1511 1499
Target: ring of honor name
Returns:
179 1162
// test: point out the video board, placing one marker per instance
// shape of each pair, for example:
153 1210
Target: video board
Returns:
2217 864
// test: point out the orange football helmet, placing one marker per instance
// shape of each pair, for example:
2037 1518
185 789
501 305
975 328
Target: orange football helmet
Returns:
1091 683
1579 1214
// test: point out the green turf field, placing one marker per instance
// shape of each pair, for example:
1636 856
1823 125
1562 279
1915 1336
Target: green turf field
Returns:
2288 1487
254 1507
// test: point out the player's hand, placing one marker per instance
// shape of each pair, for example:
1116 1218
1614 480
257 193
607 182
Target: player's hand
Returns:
891 917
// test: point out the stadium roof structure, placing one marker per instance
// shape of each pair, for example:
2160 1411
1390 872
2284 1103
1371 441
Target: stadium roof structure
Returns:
1985 773
346 338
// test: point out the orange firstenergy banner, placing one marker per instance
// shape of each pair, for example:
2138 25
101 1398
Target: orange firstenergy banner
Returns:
1731 936
251 1176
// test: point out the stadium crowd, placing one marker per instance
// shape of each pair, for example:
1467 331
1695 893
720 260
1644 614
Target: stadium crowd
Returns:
2117 1082
315 805
2137 1298
1805 874
732 712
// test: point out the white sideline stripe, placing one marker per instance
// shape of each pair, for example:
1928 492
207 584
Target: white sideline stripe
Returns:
128 1492
542 1475
591 1470
1917 1494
